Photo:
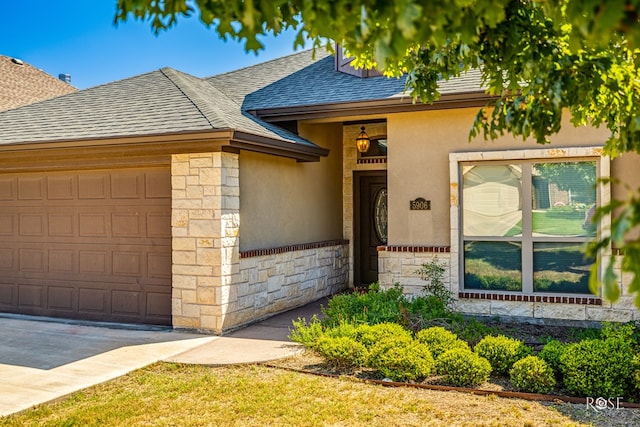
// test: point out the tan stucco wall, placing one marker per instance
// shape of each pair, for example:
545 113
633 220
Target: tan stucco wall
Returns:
418 166
285 202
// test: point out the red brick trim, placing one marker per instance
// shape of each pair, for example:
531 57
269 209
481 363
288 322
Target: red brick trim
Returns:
400 248
531 298
291 248
371 160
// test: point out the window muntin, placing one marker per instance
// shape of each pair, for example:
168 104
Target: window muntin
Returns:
542 208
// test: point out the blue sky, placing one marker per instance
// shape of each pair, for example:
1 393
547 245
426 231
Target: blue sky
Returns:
77 37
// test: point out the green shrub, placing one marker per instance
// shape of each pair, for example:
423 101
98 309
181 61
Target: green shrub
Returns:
369 335
374 306
400 360
551 353
342 352
532 374
501 352
433 273
599 367
463 368
342 329
383 306
439 340
471 329
306 333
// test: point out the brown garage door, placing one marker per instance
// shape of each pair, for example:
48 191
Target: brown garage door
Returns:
90 245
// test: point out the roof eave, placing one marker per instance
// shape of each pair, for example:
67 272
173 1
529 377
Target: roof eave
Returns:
371 107
175 143
300 152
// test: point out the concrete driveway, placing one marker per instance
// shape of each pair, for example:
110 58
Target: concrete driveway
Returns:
41 361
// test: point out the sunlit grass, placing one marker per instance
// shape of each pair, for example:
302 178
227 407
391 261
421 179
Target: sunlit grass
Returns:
176 395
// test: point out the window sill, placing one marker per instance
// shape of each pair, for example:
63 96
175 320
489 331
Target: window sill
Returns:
531 298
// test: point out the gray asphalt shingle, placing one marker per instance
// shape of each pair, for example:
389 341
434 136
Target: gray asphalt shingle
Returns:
300 80
163 101
169 101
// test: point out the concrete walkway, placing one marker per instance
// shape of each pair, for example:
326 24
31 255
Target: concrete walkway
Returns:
45 360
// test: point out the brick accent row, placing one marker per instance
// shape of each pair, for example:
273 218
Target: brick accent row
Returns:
531 298
371 160
419 249
291 248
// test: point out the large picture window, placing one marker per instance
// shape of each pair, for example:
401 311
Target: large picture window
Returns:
524 224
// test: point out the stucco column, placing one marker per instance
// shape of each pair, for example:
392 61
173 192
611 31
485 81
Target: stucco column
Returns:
205 231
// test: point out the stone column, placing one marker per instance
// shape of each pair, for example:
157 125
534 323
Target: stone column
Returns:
205 231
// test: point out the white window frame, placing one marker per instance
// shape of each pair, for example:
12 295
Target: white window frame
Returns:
457 160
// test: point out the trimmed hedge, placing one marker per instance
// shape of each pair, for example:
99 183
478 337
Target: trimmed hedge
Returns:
463 368
439 340
532 374
502 352
400 360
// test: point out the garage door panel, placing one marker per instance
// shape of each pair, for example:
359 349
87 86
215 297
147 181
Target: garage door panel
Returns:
93 224
158 304
30 296
31 188
7 260
97 246
62 224
61 298
61 188
7 188
127 224
32 224
158 224
127 186
159 265
62 261
93 186
8 225
125 303
92 301
127 263
32 260
95 262
8 295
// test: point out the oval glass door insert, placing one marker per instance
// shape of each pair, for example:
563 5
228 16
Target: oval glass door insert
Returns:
380 215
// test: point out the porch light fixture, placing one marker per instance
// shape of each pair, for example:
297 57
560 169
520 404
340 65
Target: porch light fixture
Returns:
362 141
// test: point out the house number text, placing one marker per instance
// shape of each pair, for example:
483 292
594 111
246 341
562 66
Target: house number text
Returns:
420 204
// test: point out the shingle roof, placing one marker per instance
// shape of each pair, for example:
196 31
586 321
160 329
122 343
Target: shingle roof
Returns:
299 80
168 101
163 101
22 84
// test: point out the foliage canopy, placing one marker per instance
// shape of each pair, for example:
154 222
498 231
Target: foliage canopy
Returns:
538 58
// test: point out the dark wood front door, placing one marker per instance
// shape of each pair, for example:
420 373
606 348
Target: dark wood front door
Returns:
371 225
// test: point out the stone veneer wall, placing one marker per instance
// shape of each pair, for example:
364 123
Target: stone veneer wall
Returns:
205 224
215 287
399 265
278 279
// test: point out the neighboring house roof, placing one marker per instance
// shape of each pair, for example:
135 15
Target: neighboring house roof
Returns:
22 84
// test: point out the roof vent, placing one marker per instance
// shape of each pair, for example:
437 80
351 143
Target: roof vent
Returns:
65 78
17 61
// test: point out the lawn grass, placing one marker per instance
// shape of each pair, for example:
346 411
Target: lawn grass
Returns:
166 394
